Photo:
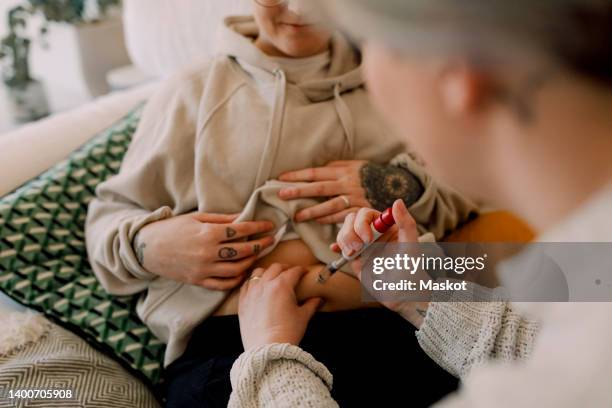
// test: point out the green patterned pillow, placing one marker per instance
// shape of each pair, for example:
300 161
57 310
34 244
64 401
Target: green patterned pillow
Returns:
43 259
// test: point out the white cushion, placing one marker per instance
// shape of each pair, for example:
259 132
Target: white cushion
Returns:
165 35
32 149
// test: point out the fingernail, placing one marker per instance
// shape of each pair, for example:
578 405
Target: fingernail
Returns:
400 204
285 192
356 246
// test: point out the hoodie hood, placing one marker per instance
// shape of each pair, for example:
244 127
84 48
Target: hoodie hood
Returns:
344 72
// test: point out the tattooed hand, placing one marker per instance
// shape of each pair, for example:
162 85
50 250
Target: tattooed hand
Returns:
351 185
207 250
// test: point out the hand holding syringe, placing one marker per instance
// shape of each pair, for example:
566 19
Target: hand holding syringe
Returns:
379 227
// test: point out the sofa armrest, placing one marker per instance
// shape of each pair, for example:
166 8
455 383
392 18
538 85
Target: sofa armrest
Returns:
30 150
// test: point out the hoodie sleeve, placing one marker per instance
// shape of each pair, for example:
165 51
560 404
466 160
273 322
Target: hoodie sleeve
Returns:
436 209
156 180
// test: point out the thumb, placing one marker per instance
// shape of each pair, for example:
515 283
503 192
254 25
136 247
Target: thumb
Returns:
310 307
406 225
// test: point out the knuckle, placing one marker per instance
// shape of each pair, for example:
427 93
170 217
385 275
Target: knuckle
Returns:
363 212
231 272
307 213
203 256
192 280
276 285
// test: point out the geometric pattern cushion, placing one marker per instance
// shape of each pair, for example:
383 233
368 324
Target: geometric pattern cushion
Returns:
43 259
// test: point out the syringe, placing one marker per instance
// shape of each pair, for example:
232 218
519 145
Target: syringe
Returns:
380 225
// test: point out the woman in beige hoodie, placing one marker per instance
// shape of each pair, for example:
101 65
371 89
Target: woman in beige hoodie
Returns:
510 102
284 95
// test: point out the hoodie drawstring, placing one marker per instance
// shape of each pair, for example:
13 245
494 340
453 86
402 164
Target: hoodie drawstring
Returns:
346 118
274 134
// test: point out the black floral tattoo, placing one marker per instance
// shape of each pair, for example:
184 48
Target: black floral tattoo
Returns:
230 232
139 248
385 184
227 253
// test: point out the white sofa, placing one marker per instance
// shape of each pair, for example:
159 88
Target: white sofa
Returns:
163 36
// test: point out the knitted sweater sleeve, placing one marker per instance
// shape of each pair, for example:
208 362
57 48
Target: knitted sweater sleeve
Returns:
280 375
459 335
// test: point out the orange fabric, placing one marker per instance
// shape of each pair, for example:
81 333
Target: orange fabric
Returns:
500 226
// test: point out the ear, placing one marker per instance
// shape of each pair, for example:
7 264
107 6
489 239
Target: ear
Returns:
464 89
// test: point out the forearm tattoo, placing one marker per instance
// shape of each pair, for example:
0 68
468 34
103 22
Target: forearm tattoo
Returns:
139 248
384 184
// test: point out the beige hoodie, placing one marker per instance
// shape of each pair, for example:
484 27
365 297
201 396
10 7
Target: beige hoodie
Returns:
211 140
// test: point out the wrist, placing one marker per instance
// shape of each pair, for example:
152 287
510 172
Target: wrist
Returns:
414 312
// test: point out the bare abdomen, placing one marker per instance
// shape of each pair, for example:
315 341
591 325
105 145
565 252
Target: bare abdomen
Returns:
340 292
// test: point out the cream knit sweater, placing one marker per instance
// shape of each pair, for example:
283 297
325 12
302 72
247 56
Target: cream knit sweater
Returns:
491 345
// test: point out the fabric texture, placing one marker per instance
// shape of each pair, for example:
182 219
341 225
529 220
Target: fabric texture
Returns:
20 329
43 260
259 376
461 335
61 361
179 162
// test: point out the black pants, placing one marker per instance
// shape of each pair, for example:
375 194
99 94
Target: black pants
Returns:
373 355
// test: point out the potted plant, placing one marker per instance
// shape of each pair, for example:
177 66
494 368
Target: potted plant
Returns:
27 98
89 39
99 47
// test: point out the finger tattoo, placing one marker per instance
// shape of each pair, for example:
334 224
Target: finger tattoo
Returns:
256 249
230 232
227 253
